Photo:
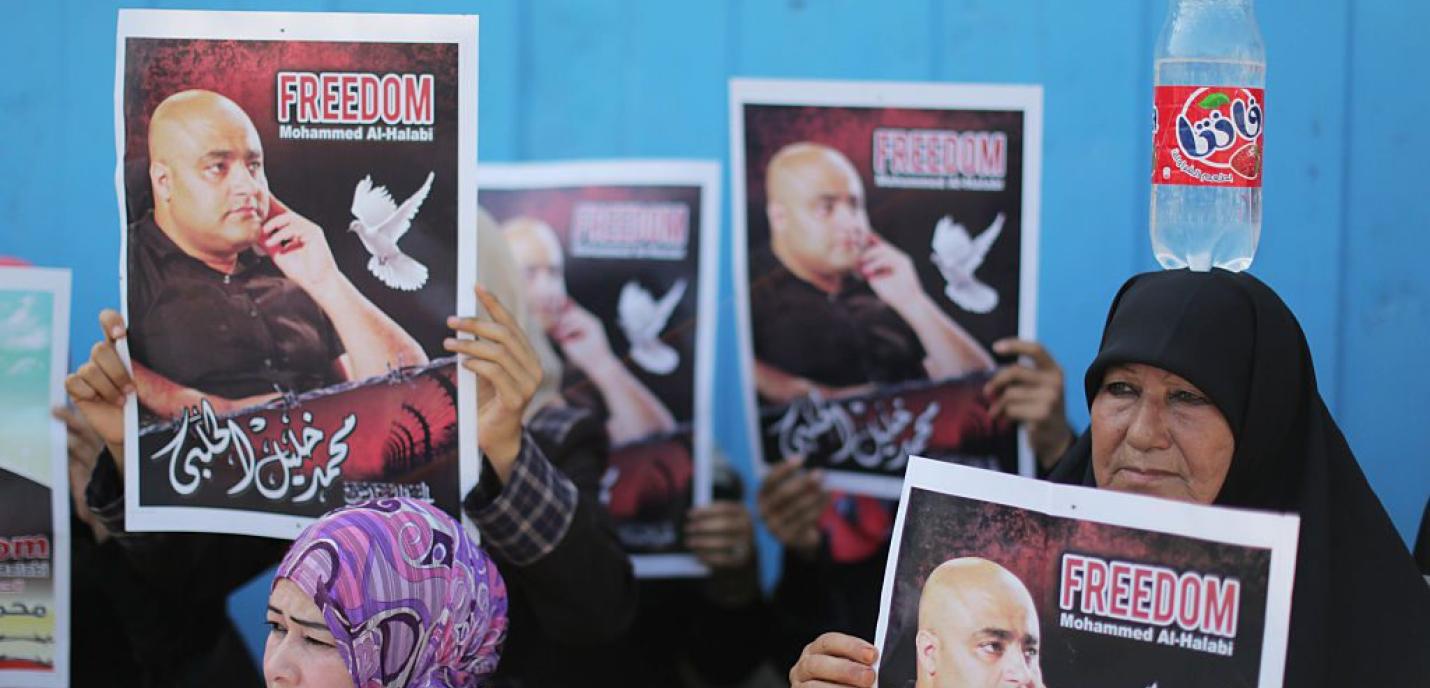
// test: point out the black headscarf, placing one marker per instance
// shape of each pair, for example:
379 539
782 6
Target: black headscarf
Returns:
1360 611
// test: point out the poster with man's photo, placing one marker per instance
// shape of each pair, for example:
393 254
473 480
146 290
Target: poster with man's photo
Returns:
885 236
34 480
998 579
619 261
298 201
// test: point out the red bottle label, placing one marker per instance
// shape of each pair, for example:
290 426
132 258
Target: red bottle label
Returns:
1207 135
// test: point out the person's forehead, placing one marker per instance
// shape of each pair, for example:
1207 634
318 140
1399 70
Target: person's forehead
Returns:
998 607
535 245
290 599
218 132
1150 372
826 175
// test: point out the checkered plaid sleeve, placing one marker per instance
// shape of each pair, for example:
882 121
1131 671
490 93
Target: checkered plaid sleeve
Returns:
530 514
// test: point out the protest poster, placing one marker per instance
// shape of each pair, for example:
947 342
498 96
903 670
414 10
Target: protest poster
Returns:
298 212
34 478
885 236
620 259
993 576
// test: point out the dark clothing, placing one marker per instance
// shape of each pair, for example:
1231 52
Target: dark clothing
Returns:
837 590
690 627
681 631
164 594
1422 542
571 606
848 339
252 332
100 583
1360 612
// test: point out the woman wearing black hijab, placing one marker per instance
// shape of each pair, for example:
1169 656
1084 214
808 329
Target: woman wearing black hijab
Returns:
1203 390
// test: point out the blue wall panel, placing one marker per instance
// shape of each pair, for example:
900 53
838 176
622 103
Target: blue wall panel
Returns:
1384 321
1305 170
832 39
1345 216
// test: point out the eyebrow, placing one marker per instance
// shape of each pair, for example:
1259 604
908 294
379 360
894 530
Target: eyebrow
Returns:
997 633
315 625
225 154
1029 640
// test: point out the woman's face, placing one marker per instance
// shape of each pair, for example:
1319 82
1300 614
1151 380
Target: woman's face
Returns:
300 650
1154 433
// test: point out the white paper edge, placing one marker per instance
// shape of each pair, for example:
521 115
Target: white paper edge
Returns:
932 96
1276 532
704 174
57 282
668 566
469 460
186 519
740 274
317 26
1031 232
366 27
880 486
891 565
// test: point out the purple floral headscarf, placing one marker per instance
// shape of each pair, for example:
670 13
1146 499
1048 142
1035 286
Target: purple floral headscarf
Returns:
411 600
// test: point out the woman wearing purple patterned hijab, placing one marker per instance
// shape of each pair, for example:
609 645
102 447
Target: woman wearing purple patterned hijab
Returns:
386 594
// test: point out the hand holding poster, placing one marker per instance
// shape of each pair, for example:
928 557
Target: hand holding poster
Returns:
299 202
885 237
619 259
997 576
34 498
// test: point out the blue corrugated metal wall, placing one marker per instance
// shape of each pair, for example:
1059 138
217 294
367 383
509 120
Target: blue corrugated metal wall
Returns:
1345 214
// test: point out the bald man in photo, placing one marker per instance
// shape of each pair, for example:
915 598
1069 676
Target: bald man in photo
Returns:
631 411
836 308
233 296
978 628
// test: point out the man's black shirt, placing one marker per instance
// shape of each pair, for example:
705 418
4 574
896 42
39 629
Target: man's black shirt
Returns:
251 332
847 339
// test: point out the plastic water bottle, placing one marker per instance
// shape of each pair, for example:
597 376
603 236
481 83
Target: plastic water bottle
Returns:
1208 113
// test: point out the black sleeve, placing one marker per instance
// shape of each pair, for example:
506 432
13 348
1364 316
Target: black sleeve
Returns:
1422 542
583 592
331 340
727 638
821 595
203 565
797 608
727 643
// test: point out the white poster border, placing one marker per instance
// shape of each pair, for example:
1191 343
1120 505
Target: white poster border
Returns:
704 174
463 30
1027 98
1276 532
56 281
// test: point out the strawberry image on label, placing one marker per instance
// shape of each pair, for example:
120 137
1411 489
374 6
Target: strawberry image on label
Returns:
1208 136
1246 161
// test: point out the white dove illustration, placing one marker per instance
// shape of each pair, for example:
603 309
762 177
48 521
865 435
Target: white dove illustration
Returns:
642 318
380 224
957 256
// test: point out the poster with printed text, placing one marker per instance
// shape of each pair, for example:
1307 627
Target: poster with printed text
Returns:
998 579
885 237
618 260
34 480
298 206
